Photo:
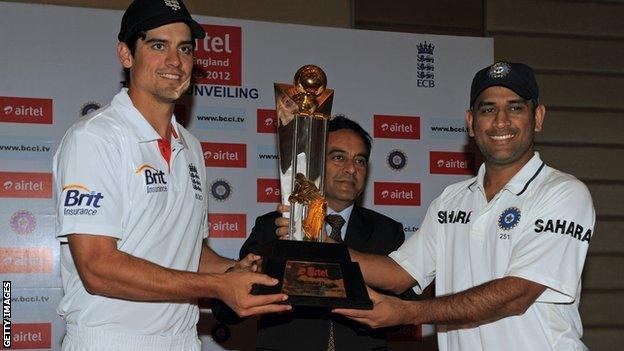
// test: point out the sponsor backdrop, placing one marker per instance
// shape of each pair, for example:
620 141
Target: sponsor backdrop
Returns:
409 91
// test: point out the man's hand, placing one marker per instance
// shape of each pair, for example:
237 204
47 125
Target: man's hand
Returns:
249 263
387 311
282 222
234 289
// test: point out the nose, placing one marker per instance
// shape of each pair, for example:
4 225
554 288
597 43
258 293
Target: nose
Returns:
173 57
349 167
502 119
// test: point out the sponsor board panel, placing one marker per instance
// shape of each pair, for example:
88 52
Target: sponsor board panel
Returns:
218 57
227 225
266 121
268 190
396 127
25 110
219 118
26 148
25 185
224 154
35 317
449 162
398 194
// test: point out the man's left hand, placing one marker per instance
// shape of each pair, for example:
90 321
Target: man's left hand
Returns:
250 263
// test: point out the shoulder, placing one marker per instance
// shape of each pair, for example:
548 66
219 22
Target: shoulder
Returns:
105 126
555 186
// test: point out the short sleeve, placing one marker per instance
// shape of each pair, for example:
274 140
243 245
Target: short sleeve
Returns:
417 255
88 186
552 248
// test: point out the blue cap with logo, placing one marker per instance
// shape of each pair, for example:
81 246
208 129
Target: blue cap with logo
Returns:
515 76
143 15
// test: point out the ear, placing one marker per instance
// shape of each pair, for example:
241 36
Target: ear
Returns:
124 54
540 114
469 120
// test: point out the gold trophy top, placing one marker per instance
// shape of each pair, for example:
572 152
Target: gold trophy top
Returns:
310 82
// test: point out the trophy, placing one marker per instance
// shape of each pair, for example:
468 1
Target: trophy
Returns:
311 272
302 115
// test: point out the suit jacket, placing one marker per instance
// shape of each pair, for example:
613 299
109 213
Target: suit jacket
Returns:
307 328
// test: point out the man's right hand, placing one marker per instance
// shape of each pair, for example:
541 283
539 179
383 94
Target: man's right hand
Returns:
234 289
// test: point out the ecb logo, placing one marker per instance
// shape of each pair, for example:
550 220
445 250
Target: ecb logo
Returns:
424 65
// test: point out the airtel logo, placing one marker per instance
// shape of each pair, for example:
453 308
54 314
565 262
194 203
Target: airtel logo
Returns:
447 162
400 194
396 127
224 155
266 121
268 190
26 185
26 110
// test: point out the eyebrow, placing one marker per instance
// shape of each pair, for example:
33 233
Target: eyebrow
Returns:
337 150
158 40
515 101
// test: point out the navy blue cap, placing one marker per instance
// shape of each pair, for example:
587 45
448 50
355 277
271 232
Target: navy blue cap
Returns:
515 76
143 15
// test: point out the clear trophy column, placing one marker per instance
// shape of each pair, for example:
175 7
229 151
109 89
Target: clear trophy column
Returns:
303 112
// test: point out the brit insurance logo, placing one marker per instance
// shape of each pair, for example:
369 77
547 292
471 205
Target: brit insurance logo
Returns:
80 200
221 189
25 110
25 260
220 118
268 190
396 127
25 185
225 155
266 121
154 179
397 160
23 222
445 162
399 194
425 65
227 225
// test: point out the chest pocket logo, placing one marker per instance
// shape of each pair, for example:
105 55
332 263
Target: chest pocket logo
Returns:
155 179
195 181
509 218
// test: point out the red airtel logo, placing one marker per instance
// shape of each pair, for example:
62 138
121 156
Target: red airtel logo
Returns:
25 185
267 121
268 190
25 110
227 225
225 155
399 194
446 162
396 127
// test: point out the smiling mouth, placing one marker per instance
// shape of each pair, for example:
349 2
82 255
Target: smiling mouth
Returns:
170 76
502 136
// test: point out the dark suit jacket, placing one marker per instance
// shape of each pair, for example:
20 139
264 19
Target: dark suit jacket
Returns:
308 329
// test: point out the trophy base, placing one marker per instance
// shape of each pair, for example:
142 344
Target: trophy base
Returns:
315 275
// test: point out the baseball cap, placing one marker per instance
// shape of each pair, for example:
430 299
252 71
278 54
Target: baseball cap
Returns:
144 15
515 76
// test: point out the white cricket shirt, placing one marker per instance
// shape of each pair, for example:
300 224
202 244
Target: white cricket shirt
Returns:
538 227
111 179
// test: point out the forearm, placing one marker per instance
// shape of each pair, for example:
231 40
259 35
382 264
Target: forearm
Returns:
211 262
382 272
124 276
485 303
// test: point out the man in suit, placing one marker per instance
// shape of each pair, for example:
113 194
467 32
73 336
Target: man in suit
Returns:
348 150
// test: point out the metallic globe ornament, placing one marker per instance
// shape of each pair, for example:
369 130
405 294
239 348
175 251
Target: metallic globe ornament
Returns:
310 81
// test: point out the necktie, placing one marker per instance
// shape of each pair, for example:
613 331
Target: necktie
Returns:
335 222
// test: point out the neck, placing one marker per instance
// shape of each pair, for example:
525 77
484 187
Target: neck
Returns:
156 113
338 206
497 176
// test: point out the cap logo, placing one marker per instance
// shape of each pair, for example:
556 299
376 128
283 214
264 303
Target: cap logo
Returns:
173 4
499 70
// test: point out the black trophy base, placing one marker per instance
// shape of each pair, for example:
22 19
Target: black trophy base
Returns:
315 275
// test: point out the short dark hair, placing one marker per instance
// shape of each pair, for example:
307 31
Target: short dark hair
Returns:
339 122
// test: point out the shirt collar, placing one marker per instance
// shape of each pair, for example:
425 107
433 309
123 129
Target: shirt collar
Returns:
520 182
141 127
345 214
